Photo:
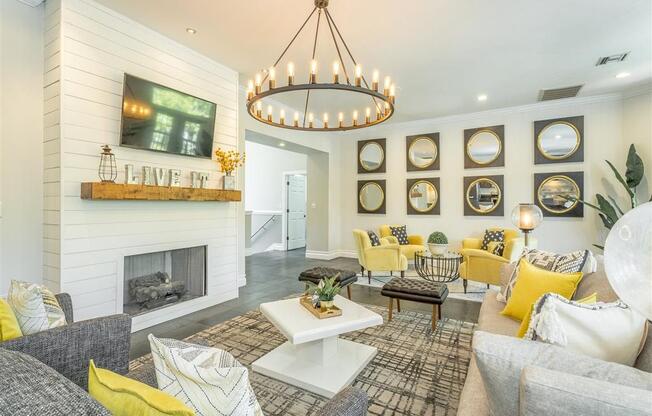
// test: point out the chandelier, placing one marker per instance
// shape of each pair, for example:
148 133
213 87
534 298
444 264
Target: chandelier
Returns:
382 102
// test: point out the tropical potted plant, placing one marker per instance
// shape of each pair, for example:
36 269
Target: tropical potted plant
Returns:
229 160
437 243
324 293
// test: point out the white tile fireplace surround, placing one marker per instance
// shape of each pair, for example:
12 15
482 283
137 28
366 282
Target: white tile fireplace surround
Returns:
88 50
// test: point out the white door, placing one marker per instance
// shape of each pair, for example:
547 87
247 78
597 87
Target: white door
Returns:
296 211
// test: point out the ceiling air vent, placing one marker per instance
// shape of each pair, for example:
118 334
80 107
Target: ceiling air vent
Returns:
604 60
559 93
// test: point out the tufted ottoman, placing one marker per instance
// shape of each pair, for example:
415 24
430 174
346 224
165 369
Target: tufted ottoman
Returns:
345 277
416 290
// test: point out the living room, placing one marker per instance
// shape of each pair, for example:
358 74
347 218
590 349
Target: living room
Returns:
320 212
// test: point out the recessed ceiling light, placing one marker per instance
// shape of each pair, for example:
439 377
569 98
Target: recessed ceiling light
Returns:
558 136
623 75
191 30
281 144
482 97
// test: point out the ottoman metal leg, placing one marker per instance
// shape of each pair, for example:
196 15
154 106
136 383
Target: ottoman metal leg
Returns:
391 308
398 304
464 283
369 276
348 291
435 317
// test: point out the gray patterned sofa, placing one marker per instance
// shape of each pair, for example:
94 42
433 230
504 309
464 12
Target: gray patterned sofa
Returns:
570 390
47 373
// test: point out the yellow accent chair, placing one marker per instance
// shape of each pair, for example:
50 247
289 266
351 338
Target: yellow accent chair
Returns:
386 257
408 250
481 265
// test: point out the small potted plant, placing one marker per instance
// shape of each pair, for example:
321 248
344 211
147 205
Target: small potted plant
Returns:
324 293
437 243
229 160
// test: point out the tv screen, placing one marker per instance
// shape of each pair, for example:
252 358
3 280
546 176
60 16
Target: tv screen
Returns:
159 118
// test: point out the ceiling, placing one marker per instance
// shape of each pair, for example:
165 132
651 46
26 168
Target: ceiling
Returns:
441 54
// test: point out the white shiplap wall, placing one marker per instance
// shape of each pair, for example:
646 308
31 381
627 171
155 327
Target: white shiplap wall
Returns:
86 240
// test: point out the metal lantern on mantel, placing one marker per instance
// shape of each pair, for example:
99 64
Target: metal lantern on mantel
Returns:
108 170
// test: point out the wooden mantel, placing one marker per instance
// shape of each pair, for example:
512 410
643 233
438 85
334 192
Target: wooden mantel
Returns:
106 191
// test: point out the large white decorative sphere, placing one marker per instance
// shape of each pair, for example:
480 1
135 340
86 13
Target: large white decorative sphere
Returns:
628 259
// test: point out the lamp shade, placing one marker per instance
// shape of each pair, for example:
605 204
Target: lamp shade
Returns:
628 259
526 217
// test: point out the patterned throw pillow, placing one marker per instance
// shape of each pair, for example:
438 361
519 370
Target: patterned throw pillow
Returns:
559 263
400 233
375 241
209 380
498 248
35 306
492 235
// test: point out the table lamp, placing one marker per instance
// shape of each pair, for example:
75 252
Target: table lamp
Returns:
527 217
628 259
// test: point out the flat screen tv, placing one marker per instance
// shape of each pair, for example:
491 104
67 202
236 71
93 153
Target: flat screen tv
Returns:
159 118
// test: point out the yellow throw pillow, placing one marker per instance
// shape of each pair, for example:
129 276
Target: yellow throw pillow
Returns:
532 283
525 323
123 396
9 328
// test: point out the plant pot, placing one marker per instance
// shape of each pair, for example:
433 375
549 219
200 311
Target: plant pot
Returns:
228 182
327 304
437 249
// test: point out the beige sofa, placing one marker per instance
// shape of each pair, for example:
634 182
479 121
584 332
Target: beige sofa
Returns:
473 399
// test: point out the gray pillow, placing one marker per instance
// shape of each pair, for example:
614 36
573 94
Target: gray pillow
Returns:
501 359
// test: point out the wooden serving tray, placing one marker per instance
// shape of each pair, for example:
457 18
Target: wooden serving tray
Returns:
321 313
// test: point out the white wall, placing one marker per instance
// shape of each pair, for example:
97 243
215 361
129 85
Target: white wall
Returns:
264 169
604 139
21 132
95 47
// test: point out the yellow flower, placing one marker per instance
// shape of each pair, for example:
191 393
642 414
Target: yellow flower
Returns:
229 160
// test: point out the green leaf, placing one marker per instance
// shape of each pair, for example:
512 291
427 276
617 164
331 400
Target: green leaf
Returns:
615 204
607 209
635 168
605 221
598 246
620 179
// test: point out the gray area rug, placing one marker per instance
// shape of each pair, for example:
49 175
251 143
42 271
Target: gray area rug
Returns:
416 372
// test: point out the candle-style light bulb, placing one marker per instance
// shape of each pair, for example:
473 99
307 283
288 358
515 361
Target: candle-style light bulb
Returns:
270 111
386 107
367 115
313 71
290 73
282 117
378 111
311 119
250 89
358 75
336 72
259 108
325 120
258 82
388 83
355 117
272 78
340 119
296 119
374 80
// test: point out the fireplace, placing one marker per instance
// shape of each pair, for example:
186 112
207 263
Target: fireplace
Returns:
156 280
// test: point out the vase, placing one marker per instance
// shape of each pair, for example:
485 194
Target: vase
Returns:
326 304
228 181
437 249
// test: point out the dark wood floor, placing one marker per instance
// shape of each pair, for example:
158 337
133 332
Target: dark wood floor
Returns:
271 276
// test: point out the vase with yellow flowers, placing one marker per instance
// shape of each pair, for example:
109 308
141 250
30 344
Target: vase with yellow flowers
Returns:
229 160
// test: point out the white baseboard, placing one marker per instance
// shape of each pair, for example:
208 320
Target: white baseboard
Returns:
330 255
242 280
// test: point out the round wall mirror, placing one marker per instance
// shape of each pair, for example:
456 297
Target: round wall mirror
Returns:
484 147
422 152
558 194
558 140
371 156
371 196
423 196
483 195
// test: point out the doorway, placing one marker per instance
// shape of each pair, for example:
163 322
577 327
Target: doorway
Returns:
294 212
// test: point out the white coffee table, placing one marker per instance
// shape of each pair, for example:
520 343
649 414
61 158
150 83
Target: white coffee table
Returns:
314 358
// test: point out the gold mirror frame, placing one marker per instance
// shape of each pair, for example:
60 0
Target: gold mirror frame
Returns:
427 184
474 136
435 153
558 177
566 156
468 200
382 154
382 193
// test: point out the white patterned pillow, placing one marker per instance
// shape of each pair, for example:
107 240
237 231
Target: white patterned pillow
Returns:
35 306
609 331
576 261
490 236
209 380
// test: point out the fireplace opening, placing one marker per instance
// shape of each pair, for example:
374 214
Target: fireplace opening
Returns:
156 280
